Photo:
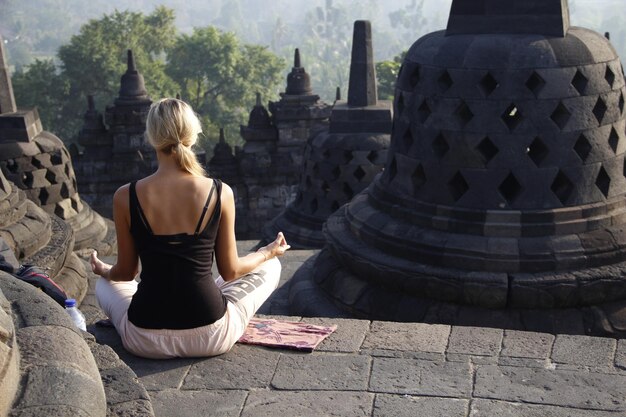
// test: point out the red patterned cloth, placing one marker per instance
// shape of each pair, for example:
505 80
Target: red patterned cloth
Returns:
285 334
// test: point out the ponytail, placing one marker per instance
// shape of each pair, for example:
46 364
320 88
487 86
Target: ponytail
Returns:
173 127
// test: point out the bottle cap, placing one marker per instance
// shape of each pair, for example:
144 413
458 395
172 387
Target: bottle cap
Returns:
70 302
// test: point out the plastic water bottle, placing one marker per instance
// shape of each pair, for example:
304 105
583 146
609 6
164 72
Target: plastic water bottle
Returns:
75 314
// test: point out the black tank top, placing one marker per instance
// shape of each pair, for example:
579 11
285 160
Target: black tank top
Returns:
177 290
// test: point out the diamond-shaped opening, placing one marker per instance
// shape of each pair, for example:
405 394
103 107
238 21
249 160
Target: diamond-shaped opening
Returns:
347 190
347 156
12 166
512 117
28 179
325 187
582 147
562 187
74 183
326 153
603 182
487 150
457 186
60 212
423 112
56 158
36 162
43 196
600 109
488 85
609 76
51 177
372 156
560 116
68 170
415 77
535 83
621 102
510 189
440 146
316 169
359 173
400 103
418 177
74 203
407 140
336 172
313 205
65 191
298 199
308 182
579 82
613 139
392 170
464 114
334 206
537 151
445 81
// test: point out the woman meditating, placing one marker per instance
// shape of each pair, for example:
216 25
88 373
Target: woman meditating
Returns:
174 221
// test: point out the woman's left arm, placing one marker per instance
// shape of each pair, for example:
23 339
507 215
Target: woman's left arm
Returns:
127 264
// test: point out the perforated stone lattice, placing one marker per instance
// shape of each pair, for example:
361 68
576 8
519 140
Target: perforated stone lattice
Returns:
574 126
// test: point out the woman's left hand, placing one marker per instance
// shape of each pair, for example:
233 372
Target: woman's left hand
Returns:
98 267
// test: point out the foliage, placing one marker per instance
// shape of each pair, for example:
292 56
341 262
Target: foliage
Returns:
386 75
220 77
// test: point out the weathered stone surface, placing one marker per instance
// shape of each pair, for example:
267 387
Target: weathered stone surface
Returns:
478 341
138 408
410 406
348 337
199 403
244 367
519 344
322 372
158 374
308 404
51 411
120 385
420 377
417 337
62 386
487 408
54 345
583 390
584 350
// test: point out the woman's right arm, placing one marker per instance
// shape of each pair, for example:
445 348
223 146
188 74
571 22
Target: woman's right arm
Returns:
229 264
127 264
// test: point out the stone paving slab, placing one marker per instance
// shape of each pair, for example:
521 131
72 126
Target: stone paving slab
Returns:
173 402
411 406
308 404
489 408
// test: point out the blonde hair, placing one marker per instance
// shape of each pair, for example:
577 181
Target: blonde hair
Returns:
173 127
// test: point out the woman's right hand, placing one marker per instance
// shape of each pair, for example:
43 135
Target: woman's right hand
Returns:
98 267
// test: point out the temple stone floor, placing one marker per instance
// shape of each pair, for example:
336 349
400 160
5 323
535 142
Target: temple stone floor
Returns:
375 368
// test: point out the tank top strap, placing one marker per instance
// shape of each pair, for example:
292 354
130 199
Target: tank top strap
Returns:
137 217
206 206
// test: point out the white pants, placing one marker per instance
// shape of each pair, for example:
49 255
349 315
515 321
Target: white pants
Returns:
245 296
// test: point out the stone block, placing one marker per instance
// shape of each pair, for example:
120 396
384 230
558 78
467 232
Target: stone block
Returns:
121 386
173 402
420 377
488 408
475 341
62 386
415 337
308 404
47 345
158 375
322 372
588 391
348 337
520 344
411 406
584 350
244 367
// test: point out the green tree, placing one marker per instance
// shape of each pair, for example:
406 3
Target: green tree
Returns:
386 75
220 77
42 85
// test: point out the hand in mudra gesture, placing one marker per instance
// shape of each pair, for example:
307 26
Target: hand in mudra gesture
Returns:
277 248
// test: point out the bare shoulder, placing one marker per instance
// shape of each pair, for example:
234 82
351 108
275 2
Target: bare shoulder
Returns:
121 194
